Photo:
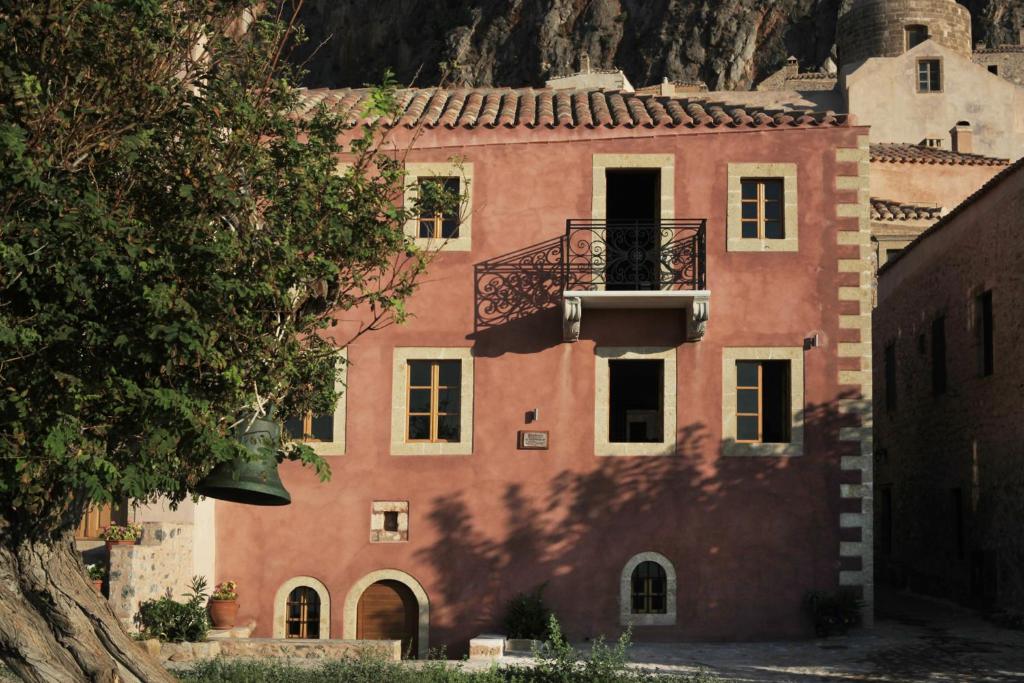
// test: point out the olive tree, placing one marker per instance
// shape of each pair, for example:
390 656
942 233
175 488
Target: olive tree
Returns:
176 237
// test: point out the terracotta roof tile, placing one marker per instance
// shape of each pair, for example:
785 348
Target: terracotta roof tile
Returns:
528 107
1001 48
919 154
888 210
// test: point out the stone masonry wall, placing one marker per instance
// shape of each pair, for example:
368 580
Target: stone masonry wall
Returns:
874 28
159 564
1008 61
950 486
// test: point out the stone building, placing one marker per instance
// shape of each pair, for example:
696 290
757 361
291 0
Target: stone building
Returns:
948 427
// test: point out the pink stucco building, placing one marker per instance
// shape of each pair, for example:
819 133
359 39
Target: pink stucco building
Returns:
673 299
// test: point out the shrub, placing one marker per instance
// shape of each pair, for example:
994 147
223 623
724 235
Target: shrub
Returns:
833 612
175 622
527 616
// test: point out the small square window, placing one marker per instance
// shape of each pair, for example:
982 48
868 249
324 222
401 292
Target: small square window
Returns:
762 213
993 69
929 75
389 521
915 35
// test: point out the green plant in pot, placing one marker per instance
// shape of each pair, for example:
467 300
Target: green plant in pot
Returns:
97 572
833 612
224 604
121 534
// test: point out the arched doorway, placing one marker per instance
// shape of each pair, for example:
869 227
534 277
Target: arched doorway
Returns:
388 610
350 620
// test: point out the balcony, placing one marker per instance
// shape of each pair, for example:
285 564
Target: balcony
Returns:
635 264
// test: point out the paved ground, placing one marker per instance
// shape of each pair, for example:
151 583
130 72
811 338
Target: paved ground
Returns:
914 640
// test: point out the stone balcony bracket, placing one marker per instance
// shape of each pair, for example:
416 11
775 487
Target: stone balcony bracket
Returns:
695 305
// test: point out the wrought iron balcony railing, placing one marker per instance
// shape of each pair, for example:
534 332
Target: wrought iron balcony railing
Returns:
634 255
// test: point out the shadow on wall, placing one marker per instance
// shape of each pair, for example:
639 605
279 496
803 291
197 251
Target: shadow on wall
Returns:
748 536
517 298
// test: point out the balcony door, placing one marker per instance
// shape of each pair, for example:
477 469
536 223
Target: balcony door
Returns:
632 210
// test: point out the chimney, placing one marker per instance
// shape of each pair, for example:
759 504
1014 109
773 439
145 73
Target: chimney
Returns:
962 137
792 66
584 63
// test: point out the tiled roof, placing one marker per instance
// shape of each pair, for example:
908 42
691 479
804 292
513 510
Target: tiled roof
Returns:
887 210
532 108
919 154
1001 48
811 75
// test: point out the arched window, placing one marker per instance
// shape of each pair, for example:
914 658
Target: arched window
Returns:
650 588
302 613
914 35
302 609
647 591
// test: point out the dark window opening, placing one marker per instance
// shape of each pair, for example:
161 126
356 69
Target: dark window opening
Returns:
311 427
650 589
761 201
939 355
885 520
439 216
635 405
302 613
986 357
915 35
890 378
957 505
890 254
633 210
993 69
929 75
763 410
391 521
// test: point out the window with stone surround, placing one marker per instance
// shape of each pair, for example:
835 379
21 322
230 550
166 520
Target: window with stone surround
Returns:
389 521
441 223
762 401
302 609
929 75
647 591
635 401
762 207
324 433
441 230
432 401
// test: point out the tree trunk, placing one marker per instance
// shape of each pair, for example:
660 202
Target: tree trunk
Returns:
54 626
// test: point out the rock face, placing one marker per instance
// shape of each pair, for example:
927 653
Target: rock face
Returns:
727 43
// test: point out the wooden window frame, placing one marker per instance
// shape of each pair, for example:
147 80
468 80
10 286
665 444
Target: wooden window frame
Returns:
731 446
435 391
303 619
760 402
760 203
921 64
906 35
436 220
648 594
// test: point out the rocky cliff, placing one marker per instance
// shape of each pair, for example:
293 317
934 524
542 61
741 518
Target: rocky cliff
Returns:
726 43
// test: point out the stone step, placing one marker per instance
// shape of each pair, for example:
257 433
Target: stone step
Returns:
235 632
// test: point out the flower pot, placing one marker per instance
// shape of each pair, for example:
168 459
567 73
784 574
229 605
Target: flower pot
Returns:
223 613
98 585
111 544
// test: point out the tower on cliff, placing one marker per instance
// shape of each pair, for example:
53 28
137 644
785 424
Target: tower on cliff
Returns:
888 28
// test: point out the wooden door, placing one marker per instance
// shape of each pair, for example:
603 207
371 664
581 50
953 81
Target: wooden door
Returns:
388 610
93 522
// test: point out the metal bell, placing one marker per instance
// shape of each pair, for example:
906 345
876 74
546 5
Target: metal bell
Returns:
252 482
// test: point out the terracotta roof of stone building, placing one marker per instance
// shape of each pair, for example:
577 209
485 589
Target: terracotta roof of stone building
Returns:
476 108
888 210
919 154
1001 48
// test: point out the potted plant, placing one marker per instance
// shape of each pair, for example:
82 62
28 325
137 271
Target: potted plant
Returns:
121 534
224 604
97 572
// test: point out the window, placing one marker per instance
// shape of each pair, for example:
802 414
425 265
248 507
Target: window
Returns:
929 78
762 209
635 397
762 401
389 521
302 615
433 402
939 355
324 433
311 427
650 588
986 348
890 378
914 35
447 228
635 401
890 254
442 192
647 591
993 69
